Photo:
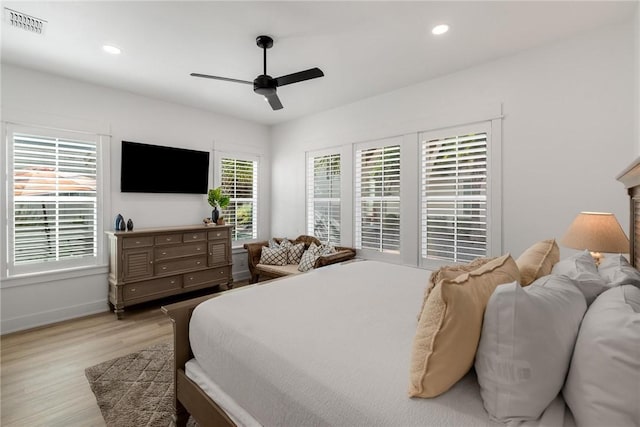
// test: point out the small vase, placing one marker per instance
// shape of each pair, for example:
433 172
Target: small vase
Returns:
215 214
119 222
129 225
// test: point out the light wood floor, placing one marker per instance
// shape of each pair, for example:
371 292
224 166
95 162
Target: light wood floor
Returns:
42 370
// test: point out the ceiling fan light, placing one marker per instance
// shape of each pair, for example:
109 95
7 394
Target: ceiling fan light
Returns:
440 29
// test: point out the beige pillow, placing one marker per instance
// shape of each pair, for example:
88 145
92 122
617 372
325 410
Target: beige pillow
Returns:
448 332
538 260
450 272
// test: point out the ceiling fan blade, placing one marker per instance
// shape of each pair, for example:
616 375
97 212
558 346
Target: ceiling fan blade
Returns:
274 101
226 79
300 76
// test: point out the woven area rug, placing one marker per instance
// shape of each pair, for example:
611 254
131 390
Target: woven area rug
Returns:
136 390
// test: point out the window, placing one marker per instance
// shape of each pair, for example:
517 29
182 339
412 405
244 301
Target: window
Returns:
239 180
53 205
454 200
377 198
323 197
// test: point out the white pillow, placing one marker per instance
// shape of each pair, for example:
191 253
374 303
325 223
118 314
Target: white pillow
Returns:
582 269
526 344
616 271
603 385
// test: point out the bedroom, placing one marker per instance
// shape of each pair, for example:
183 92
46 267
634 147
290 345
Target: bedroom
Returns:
570 126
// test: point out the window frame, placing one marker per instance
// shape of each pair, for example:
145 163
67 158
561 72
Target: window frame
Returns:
309 200
492 128
395 257
219 156
9 269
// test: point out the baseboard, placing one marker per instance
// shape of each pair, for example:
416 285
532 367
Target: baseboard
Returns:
241 275
52 316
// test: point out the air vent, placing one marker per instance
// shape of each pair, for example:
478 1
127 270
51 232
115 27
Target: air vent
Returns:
24 21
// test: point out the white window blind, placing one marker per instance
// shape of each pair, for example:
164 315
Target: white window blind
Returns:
54 209
239 180
323 198
454 197
377 197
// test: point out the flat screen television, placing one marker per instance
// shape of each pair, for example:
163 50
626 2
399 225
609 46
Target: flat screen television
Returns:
150 168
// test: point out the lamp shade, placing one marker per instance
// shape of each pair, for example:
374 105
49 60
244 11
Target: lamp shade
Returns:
596 232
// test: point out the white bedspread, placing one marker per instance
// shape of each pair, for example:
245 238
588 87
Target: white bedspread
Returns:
330 347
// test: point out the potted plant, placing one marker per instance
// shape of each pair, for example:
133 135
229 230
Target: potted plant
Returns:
217 199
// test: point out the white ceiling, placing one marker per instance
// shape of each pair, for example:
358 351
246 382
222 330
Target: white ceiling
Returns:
364 48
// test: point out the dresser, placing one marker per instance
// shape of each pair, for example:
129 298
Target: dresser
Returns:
148 264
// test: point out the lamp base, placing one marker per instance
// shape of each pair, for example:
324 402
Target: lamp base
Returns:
597 257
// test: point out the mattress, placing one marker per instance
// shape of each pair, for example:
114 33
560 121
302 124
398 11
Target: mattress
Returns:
329 347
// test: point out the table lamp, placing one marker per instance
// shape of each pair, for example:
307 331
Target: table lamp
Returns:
597 232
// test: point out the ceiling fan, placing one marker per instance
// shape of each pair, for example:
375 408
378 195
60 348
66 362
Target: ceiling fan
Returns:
266 85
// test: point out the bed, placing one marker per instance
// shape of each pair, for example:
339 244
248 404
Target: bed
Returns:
311 350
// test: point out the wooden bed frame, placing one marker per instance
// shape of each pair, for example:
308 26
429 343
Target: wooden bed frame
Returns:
630 177
191 400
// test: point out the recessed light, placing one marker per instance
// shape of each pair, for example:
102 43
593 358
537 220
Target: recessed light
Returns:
113 50
440 29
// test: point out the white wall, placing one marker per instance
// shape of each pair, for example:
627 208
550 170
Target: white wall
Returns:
43 99
568 131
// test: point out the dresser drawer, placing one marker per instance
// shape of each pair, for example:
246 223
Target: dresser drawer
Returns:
196 236
167 239
151 288
137 242
209 277
168 252
191 263
223 233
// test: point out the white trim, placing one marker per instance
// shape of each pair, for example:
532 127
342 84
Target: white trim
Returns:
48 317
103 194
492 128
379 144
52 276
218 155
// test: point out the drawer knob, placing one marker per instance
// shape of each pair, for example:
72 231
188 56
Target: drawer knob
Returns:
198 263
137 242
210 254
195 236
191 278
164 253
173 281
198 248
164 267
150 262
168 239
133 289
218 234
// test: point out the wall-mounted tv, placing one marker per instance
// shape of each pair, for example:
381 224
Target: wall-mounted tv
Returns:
150 168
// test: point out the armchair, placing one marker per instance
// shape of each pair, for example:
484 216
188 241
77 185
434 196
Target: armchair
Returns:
258 271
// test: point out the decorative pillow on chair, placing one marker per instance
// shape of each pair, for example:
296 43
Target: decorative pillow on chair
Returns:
295 253
448 331
326 249
582 269
603 385
538 260
309 258
273 244
525 348
616 271
273 256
